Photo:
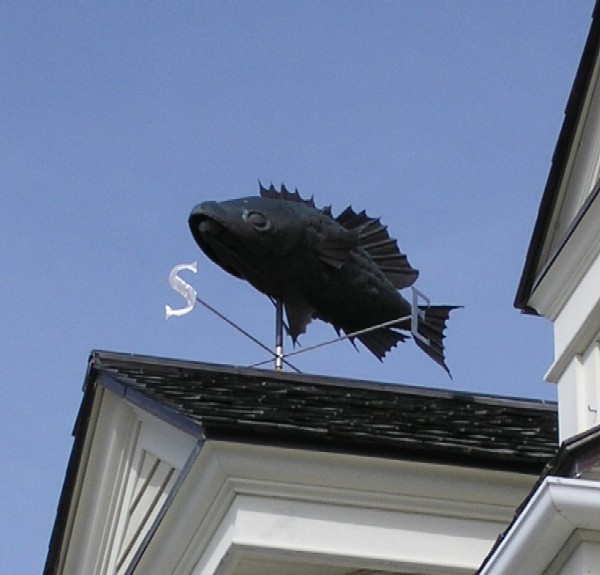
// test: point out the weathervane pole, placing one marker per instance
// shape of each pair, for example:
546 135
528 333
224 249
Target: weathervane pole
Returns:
278 334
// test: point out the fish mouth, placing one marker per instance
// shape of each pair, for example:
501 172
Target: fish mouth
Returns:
218 242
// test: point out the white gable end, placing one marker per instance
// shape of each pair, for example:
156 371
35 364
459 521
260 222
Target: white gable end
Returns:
152 480
132 461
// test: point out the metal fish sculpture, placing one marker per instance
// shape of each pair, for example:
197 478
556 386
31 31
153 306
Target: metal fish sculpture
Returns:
344 270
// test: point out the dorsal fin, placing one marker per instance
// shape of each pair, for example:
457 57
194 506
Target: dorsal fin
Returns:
327 211
373 237
283 194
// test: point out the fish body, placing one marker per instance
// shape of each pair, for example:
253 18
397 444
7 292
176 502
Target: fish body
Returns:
345 270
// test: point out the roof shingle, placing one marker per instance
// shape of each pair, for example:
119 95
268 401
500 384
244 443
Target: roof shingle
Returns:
331 414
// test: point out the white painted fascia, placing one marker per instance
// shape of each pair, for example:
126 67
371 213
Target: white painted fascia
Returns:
577 341
569 295
558 508
563 274
564 257
240 500
358 538
98 490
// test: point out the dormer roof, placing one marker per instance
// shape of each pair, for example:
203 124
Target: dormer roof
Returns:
335 414
150 429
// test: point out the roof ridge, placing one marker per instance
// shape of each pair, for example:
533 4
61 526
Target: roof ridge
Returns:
99 358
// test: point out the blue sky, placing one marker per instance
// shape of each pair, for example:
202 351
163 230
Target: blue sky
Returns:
117 118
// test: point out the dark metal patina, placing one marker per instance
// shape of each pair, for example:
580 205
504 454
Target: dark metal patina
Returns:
345 270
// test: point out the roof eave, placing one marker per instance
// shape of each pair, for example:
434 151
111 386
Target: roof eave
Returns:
560 158
80 430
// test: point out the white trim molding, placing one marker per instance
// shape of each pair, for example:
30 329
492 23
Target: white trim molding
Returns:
562 514
251 508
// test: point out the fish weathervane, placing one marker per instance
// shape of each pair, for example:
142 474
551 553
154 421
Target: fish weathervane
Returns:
344 270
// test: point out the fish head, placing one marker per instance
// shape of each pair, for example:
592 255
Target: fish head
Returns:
247 233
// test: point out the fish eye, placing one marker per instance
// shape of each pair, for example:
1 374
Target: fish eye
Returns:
258 221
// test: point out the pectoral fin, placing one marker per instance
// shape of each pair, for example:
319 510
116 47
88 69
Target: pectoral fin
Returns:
335 250
299 314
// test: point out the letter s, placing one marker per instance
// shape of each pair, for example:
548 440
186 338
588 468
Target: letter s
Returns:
187 292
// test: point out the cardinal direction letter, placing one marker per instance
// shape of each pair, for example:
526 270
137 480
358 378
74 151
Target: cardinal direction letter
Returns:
187 292
418 314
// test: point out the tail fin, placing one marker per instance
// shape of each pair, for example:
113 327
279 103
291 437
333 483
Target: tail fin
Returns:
432 327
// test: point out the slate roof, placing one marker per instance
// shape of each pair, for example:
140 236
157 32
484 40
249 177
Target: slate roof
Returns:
333 414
